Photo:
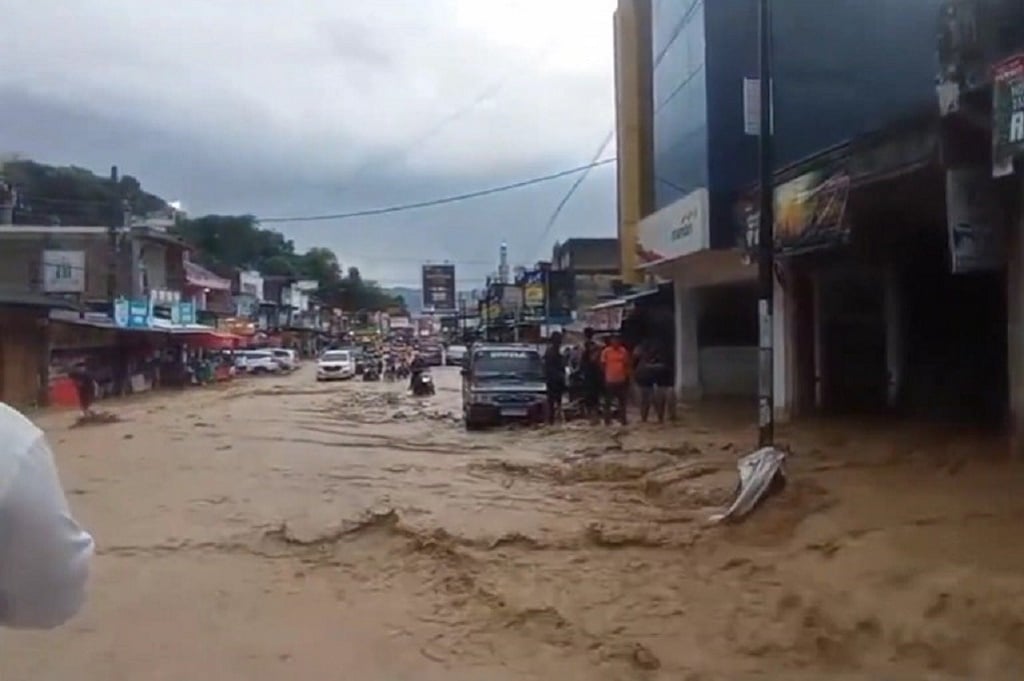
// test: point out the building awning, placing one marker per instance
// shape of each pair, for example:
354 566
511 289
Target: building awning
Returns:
623 301
31 299
211 340
713 267
200 277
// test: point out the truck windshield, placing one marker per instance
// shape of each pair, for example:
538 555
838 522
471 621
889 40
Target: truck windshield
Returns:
515 364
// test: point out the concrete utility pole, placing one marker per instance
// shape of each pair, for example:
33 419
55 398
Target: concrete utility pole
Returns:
766 236
116 217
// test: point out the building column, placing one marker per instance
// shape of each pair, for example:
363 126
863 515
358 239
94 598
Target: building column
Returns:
687 350
783 338
894 335
1015 326
819 341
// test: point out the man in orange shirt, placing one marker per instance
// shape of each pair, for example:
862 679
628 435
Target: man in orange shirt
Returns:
616 363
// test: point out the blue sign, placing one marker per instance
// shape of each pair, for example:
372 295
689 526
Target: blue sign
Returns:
138 313
186 312
121 312
183 313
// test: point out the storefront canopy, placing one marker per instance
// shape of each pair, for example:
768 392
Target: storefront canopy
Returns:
210 340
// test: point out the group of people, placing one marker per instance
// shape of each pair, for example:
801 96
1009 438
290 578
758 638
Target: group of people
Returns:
605 373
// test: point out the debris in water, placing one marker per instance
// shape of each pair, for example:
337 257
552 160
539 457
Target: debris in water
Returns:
95 418
760 473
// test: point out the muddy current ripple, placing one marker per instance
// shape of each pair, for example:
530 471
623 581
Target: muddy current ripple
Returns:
282 527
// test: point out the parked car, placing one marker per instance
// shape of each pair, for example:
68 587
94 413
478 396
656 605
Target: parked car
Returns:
501 383
257 362
455 354
335 364
288 359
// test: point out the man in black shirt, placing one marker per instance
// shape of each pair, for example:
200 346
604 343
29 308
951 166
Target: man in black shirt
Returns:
592 375
554 376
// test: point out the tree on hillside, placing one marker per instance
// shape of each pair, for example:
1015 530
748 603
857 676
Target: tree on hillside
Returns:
73 196
239 241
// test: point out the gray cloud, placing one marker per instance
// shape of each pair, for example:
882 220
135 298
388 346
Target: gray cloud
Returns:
320 106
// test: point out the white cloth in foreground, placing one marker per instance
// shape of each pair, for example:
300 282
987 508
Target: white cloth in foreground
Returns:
44 554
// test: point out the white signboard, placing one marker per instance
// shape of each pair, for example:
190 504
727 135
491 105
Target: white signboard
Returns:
678 229
752 107
63 271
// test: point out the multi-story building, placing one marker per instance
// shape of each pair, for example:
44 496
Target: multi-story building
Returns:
859 189
593 267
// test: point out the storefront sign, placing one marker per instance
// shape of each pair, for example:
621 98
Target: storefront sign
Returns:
809 212
63 271
132 313
183 312
533 293
561 293
676 230
1007 113
975 221
439 287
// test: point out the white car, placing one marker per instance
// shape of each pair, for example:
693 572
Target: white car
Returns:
288 359
335 364
455 354
257 362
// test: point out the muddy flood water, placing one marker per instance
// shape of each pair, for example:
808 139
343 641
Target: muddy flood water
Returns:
280 528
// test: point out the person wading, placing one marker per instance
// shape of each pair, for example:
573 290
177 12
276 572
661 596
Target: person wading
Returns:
616 362
85 386
591 374
554 376
651 369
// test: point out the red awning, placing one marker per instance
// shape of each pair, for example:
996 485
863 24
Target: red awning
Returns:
212 340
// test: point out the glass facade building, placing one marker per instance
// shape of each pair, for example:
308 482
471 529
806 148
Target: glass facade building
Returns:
843 68
680 111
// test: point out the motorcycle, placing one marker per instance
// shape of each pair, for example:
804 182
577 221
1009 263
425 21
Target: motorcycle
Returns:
371 373
422 384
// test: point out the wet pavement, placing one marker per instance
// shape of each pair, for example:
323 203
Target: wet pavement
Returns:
280 527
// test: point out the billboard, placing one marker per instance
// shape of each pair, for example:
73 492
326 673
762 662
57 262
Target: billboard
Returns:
439 287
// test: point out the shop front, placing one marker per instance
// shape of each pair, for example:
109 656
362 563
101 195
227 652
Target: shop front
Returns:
714 304
878 308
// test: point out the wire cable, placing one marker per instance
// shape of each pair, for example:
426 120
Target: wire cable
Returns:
440 201
576 185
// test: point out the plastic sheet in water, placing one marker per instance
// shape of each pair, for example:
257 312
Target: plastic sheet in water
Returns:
757 473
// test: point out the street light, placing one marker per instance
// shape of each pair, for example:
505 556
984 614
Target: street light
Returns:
765 234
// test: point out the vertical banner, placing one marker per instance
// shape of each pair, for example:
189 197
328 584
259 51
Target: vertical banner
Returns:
974 220
1007 114
534 294
439 288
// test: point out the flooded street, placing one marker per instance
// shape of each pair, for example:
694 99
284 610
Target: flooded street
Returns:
281 527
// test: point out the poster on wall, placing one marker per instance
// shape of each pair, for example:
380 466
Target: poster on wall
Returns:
974 221
1007 114
810 212
63 271
439 288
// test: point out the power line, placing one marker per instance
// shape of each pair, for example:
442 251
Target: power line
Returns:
486 94
575 185
441 201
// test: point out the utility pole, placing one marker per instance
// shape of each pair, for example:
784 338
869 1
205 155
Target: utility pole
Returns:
766 236
116 218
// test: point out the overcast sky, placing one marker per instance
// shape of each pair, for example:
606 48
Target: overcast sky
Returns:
320 106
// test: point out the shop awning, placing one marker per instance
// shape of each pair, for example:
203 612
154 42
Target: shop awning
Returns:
622 301
210 340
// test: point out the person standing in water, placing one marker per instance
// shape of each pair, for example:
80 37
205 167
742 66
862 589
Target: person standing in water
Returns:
554 376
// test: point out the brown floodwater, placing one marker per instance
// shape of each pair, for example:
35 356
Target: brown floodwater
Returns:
281 528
